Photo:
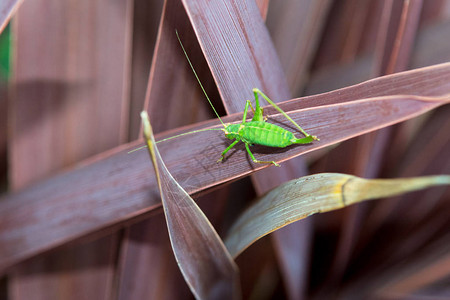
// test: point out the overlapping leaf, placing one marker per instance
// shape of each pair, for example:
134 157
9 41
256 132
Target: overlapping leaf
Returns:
204 261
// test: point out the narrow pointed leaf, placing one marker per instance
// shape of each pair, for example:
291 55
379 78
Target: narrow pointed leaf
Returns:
300 198
201 255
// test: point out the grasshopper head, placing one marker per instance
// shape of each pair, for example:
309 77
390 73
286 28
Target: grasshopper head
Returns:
231 131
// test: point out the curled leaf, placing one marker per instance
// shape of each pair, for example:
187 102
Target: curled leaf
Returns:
302 197
204 261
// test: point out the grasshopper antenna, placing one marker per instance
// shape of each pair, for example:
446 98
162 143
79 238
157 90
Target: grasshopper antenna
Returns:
175 136
196 76
204 92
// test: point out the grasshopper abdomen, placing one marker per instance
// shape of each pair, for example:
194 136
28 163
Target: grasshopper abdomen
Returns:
261 133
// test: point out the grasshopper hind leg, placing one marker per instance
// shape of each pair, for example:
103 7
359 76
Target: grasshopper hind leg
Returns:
259 161
306 140
257 91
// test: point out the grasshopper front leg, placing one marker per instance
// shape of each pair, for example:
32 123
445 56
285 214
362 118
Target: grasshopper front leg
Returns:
226 150
244 117
257 91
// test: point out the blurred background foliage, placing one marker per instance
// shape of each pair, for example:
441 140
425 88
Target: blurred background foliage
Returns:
74 76
5 45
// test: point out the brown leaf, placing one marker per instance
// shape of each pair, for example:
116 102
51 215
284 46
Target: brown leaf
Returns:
296 38
238 48
202 257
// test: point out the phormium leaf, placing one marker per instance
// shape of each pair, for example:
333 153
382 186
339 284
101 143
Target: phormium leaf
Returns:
201 255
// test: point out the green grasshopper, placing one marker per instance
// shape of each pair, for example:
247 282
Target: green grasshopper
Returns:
259 132
256 131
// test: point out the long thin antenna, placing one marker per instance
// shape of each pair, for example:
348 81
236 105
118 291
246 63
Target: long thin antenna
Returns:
195 73
175 136
186 133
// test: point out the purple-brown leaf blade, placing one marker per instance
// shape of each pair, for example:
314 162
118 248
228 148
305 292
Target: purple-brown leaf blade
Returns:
300 198
201 255
427 81
296 37
24 213
238 49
